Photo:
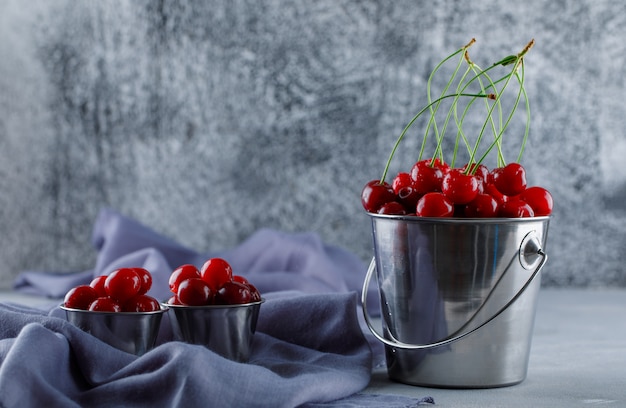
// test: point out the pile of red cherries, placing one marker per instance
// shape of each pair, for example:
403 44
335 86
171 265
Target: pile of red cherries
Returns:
125 289
434 189
213 284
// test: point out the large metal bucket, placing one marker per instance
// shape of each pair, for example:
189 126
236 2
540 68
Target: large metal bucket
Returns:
457 297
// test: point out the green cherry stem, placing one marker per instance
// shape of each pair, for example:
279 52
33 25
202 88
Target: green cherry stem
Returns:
412 121
433 112
520 79
477 77
479 73
488 91
447 120
517 62
522 91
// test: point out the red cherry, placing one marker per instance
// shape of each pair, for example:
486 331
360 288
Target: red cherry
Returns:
216 272
256 295
539 199
405 189
98 284
489 188
516 209
392 208
443 166
426 178
434 205
80 297
194 292
233 293
141 303
181 273
105 304
240 279
146 280
173 300
122 284
483 206
375 194
458 187
480 171
510 180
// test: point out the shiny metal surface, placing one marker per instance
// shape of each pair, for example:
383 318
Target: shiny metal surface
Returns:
442 278
133 332
227 330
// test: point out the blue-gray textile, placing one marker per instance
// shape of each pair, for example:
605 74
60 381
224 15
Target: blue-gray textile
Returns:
309 348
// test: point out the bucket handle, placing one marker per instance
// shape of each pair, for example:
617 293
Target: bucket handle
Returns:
531 255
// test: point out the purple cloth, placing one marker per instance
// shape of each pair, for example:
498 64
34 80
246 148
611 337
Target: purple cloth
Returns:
271 260
291 364
310 349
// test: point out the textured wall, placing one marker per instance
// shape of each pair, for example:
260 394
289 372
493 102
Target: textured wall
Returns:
209 119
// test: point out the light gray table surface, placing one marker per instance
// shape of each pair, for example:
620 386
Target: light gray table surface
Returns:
578 356
577 359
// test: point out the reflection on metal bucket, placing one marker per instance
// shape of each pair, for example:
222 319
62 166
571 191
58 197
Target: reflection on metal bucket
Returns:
132 332
457 297
227 330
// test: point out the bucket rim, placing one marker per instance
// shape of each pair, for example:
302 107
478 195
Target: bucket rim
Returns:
457 220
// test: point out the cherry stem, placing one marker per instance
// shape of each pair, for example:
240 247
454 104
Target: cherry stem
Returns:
412 121
517 62
477 77
433 112
479 73
527 107
488 91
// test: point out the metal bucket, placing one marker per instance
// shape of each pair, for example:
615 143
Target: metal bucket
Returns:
457 296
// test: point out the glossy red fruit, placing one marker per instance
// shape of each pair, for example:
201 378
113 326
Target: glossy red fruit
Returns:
539 199
80 297
256 295
240 279
233 293
181 273
443 166
392 208
434 205
141 303
516 209
146 280
510 180
216 272
489 188
173 300
483 206
480 171
405 190
375 194
458 187
105 304
194 292
122 284
98 284
426 178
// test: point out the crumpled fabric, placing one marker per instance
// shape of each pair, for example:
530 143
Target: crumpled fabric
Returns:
309 350
272 260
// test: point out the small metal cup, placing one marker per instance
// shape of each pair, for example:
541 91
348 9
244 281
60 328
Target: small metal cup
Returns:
225 329
132 332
